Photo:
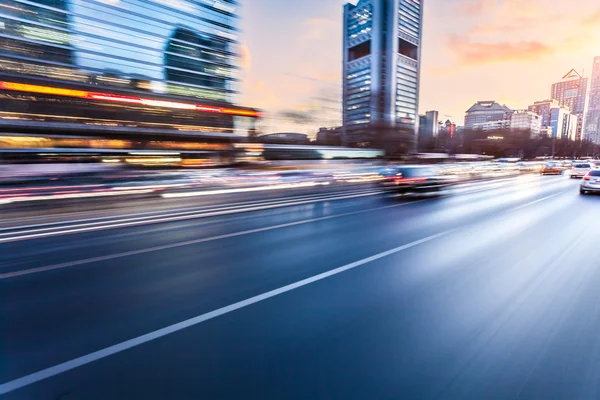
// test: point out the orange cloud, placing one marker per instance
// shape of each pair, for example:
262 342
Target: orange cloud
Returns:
515 24
473 53
593 20
508 8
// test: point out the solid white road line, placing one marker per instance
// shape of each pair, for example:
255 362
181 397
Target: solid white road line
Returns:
537 201
31 271
244 190
95 356
173 213
76 229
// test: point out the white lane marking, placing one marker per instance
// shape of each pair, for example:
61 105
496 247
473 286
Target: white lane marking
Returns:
31 271
536 201
16 231
244 190
177 218
180 210
117 348
75 196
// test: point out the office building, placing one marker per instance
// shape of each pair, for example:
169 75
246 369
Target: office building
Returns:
571 124
592 126
486 111
526 121
571 92
429 125
542 108
381 65
560 122
492 125
160 67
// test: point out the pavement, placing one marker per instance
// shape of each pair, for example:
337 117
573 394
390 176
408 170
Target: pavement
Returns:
487 293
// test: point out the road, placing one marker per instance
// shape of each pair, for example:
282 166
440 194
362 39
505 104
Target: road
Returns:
490 293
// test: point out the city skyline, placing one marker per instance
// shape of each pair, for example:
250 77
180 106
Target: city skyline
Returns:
488 49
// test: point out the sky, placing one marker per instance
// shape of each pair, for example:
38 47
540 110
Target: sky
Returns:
510 51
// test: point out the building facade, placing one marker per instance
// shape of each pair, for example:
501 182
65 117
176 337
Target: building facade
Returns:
492 125
153 66
381 65
560 122
526 121
571 92
542 108
570 127
592 127
486 111
429 125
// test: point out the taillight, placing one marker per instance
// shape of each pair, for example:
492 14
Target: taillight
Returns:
586 178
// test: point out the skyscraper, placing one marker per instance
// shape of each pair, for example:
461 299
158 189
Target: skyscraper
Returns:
571 92
592 127
381 65
165 66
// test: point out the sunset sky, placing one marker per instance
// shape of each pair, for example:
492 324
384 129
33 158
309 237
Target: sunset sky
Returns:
510 51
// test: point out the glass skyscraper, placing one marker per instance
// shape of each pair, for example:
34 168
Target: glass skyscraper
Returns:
381 65
166 63
592 128
571 92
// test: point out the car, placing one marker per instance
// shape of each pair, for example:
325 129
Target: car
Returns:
551 168
579 170
415 179
590 182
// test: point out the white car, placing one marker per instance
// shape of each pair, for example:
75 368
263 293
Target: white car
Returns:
580 170
590 182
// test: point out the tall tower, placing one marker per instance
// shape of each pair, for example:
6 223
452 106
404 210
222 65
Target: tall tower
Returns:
592 127
571 92
381 66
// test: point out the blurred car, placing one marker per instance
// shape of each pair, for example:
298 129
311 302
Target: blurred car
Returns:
579 170
590 182
412 179
551 168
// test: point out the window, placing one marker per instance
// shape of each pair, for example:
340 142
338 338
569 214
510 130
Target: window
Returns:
408 49
359 51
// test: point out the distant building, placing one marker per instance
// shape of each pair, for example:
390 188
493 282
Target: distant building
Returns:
486 111
546 132
571 92
559 122
526 121
592 127
284 138
381 66
429 125
570 127
492 125
542 108
330 136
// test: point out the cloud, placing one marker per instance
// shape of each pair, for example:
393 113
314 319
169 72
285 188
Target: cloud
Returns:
297 116
476 53
500 8
513 25
593 20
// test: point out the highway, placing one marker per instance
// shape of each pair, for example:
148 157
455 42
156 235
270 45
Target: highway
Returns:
488 293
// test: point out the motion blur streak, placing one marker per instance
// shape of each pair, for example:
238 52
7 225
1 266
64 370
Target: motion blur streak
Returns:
487 288
20 87
169 217
89 358
245 190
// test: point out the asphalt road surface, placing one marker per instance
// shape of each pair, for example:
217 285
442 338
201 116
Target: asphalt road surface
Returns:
490 293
